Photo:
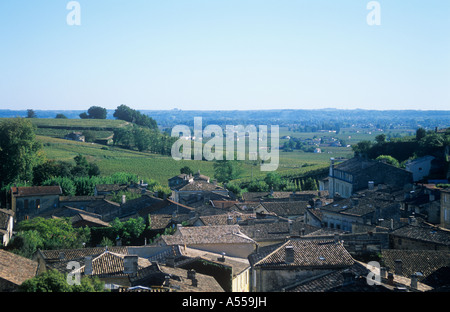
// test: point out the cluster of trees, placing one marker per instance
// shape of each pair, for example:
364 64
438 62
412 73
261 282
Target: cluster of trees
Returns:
297 144
94 112
402 149
55 281
143 139
126 113
19 150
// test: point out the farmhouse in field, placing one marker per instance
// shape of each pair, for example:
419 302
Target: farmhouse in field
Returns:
75 136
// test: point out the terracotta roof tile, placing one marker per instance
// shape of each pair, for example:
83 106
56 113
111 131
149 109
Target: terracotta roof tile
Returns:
16 269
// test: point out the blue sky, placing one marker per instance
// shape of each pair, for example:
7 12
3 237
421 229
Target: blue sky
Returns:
225 54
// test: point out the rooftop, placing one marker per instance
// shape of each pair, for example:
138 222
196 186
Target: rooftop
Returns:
309 253
23 191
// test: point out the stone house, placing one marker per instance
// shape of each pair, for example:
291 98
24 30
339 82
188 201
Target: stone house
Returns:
356 174
445 208
30 201
420 237
419 167
364 208
278 267
6 226
75 136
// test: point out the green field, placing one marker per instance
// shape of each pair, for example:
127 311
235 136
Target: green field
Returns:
146 165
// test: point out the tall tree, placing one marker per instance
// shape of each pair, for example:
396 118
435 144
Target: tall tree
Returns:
19 150
227 170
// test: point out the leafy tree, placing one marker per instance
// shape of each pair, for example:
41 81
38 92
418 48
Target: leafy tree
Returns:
40 233
130 229
362 148
61 116
31 113
19 150
381 138
55 281
126 113
235 188
227 170
258 186
186 170
84 115
97 112
273 180
26 243
142 138
389 160
67 185
420 133
310 184
83 168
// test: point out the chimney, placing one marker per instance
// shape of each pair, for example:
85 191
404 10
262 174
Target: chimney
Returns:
166 281
88 265
222 258
398 267
130 264
302 232
290 226
191 274
414 281
331 166
194 282
289 250
383 272
61 256
229 220
371 185
124 199
390 280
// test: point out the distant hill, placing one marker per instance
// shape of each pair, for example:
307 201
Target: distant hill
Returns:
411 119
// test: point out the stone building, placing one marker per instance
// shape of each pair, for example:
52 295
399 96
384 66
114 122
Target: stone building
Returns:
357 174
30 201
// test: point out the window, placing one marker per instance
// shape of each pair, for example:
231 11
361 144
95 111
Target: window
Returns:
25 203
38 203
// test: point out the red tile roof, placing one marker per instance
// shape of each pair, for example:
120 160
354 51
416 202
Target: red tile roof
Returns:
23 191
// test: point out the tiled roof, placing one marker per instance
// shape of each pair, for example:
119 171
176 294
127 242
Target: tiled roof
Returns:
16 269
332 281
200 185
280 230
222 219
424 261
219 234
112 264
424 233
84 217
69 254
237 264
361 204
309 253
286 208
355 165
181 283
22 191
